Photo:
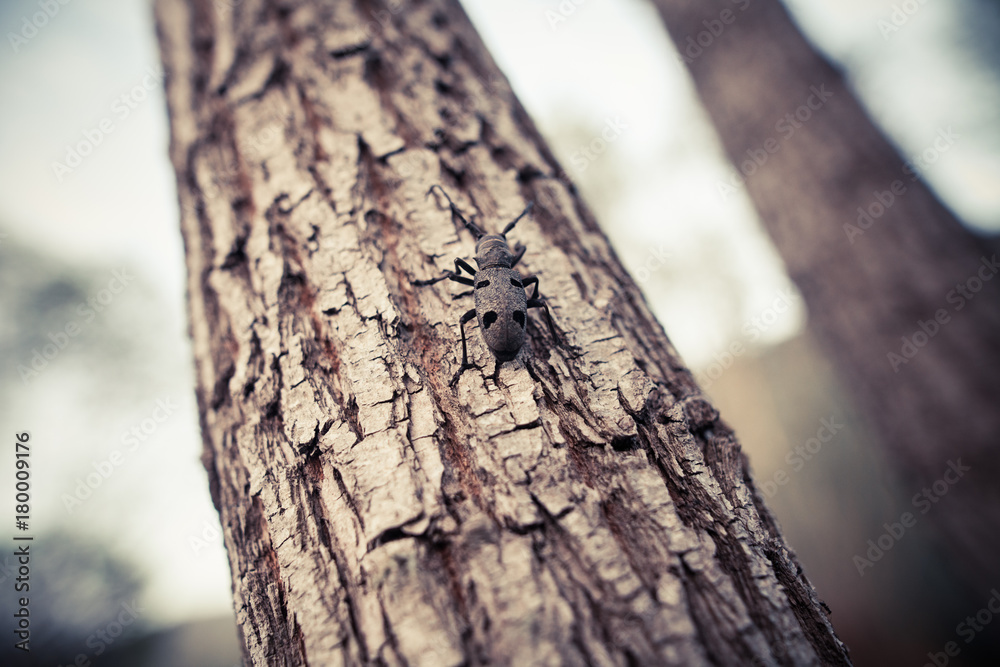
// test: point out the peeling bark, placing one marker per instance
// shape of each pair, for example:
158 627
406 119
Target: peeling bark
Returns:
587 508
867 288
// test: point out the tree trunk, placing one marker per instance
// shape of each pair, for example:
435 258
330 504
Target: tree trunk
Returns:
891 279
587 507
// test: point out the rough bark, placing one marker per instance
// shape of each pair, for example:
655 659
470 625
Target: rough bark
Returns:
868 285
587 508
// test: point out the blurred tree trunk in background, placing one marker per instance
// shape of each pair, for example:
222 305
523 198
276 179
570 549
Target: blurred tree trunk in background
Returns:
898 292
589 508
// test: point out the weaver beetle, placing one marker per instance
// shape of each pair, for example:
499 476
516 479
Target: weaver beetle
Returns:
499 291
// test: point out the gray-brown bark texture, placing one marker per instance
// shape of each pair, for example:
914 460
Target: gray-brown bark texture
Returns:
588 508
907 280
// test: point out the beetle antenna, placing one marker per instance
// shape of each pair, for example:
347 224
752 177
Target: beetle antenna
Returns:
510 225
471 226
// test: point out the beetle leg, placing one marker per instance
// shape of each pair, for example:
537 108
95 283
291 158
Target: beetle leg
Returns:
455 275
465 352
510 225
518 254
531 280
461 325
462 264
535 302
496 372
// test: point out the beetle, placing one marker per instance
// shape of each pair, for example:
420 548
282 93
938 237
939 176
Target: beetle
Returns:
501 302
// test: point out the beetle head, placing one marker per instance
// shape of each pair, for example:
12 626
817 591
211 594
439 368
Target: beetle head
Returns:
492 251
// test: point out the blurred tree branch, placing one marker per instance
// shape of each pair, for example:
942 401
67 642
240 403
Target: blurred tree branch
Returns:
900 294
